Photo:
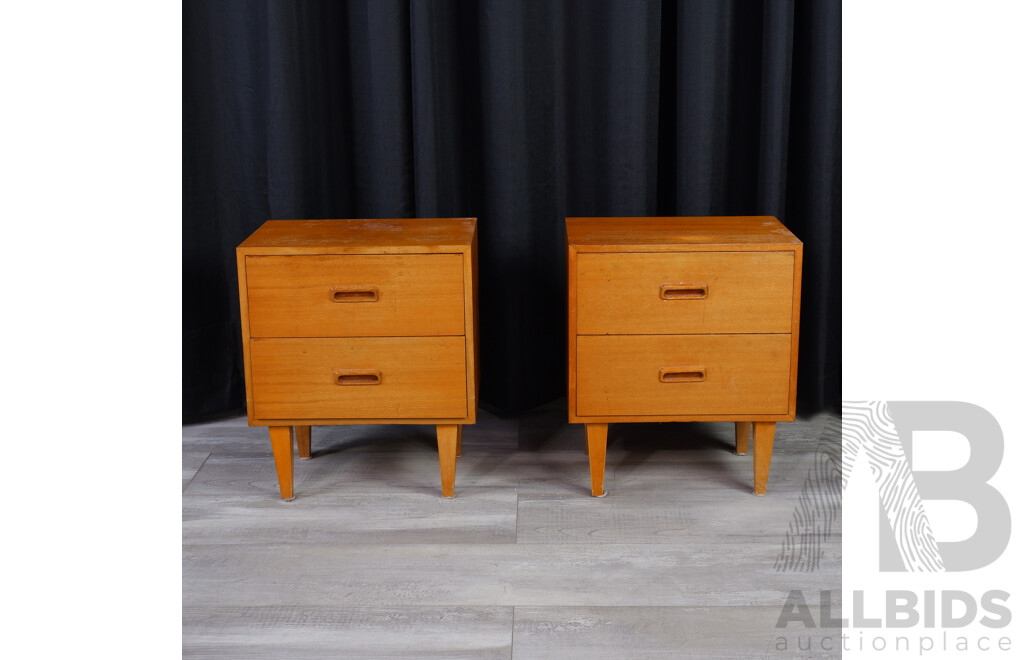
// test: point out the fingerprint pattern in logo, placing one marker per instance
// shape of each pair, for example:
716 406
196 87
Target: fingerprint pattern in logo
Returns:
868 428
819 509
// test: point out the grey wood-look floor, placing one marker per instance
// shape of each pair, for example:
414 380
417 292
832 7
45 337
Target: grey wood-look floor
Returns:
680 560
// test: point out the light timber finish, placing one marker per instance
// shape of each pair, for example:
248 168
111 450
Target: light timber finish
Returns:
362 236
682 320
281 442
738 375
742 437
447 449
359 322
303 441
356 295
675 234
381 377
597 444
724 292
764 438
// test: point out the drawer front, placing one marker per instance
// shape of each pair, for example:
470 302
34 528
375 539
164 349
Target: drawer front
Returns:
684 292
359 378
682 375
355 295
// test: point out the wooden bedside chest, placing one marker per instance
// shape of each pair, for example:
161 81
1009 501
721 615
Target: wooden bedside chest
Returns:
360 322
679 320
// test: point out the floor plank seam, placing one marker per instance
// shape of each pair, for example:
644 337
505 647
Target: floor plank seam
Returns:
680 563
517 516
196 473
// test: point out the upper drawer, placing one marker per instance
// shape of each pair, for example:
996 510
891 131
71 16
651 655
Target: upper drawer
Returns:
355 295
684 292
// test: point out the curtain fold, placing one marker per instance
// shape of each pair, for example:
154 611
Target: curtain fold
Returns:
519 113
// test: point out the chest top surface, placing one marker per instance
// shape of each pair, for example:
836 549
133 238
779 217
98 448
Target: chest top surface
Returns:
673 233
408 235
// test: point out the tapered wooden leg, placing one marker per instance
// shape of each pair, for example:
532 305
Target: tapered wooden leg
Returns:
764 438
458 441
597 444
302 439
742 437
281 441
447 442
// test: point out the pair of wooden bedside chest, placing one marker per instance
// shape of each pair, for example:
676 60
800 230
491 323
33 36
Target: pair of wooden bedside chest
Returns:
375 321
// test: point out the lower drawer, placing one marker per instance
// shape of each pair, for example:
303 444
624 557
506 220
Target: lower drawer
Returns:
359 378
682 375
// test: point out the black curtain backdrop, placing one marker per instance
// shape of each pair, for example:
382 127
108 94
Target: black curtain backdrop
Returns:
519 113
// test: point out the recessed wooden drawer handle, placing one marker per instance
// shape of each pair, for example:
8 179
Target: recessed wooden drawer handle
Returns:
684 291
357 376
682 374
353 294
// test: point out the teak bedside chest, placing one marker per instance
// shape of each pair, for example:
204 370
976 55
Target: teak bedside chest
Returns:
360 322
680 320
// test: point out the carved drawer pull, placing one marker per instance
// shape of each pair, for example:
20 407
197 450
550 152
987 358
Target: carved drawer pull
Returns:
684 291
357 376
682 374
353 294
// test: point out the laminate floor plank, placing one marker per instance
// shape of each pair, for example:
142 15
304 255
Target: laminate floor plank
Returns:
369 561
715 475
476 516
637 517
232 435
413 470
690 572
725 633
309 633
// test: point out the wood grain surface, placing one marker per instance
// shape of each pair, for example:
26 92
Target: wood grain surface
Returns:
419 377
356 322
711 305
361 236
670 234
749 292
414 294
745 375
